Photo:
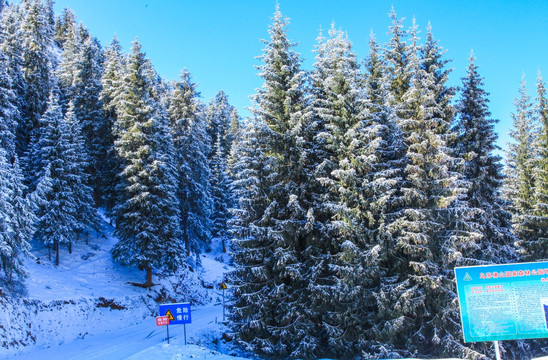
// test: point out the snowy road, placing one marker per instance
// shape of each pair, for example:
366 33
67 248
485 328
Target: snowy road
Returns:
142 341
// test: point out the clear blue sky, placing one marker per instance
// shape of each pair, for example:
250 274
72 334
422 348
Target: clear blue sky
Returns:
218 40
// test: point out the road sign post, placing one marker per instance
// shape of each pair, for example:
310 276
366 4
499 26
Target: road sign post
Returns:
223 287
163 321
176 314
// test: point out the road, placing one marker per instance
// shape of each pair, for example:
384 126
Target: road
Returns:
144 340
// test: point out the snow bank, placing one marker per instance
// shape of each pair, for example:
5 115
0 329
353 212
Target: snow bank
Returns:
27 322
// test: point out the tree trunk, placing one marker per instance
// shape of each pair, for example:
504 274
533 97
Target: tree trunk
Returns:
56 249
49 252
224 245
87 237
70 247
148 283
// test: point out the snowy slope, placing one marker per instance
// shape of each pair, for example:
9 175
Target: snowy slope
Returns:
85 308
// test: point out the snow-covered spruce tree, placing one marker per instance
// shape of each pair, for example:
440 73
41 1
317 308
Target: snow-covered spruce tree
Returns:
520 157
110 97
415 300
533 231
271 313
222 198
68 204
341 276
8 110
87 215
191 144
85 95
396 55
64 25
475 144
80 72
18 219
7 250
220 127
147 215
36 31
383 147
251 250
12 49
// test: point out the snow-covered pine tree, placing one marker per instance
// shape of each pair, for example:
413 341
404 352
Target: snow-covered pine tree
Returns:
147 215
533 231
64 26
7 251
415 299
396 55
8 110
339 278
275 320
251 250
220 194
88 112
80 72
69 64
60 153
475 145
36 31
521 157
21 221
383 147
191 144
11 48
220 127
111 96
87 215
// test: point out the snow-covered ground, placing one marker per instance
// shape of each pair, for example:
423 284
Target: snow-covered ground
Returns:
85 308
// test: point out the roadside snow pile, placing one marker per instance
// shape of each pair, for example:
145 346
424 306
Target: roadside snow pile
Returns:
34 322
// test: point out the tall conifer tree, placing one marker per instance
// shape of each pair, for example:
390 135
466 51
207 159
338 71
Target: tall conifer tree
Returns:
193 173
533 231
147 216
475 145
519 185
275 320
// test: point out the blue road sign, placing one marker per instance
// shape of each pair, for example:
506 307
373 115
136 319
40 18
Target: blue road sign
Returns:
177 313
503 302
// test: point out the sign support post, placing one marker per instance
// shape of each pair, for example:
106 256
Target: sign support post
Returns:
167 329
184 326
497 349
223 287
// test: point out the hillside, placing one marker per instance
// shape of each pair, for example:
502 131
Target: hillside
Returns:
86 309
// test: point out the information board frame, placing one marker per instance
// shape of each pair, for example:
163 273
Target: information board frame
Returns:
503 302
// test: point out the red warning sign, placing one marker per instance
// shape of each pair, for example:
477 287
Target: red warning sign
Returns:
162 320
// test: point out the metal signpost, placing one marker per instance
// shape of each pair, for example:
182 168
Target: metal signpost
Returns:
503 302
176 314
163 321
223 287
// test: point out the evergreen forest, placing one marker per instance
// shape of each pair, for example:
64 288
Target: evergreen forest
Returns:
346 199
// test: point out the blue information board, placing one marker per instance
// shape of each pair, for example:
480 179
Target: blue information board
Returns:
177 313
503 302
